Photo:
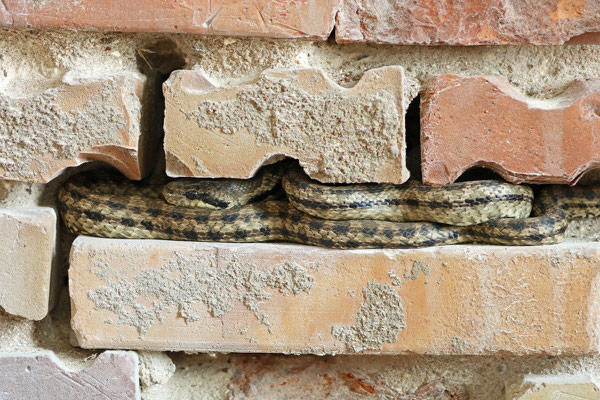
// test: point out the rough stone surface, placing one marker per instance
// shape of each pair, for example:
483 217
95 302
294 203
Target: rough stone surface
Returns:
271 18
337 134
81 119
155 368
555 387
483 121
324 378
27 245
162 295
468 22
113 375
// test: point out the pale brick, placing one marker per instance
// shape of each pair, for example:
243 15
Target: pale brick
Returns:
471 22
555 387
337 134
80 120
484 121
27 246
271 18
113 375
162 295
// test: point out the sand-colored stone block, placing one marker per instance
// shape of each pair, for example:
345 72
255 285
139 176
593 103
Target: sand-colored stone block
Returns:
468 22
167 295
79 120
485 122
113 375
27 246
338 134
270 18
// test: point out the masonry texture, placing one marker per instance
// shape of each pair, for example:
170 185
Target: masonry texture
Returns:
27 245
337 134
112 375
484 122
161 295
338 95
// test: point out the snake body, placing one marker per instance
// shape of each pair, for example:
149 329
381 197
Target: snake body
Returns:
343 216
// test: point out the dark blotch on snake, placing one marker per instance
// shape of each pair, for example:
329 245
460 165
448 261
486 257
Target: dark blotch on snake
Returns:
94 215
191 235
127 221
230 217
77 195
116 206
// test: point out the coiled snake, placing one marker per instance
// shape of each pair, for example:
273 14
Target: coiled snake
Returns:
337 216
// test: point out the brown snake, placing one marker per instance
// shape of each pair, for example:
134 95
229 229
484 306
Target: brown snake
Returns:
336 216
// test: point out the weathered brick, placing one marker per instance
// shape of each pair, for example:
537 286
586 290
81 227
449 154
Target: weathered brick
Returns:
80 120
164 295
304 19
484 121
555 387
27 245
269 376
337 134
468 22
113 375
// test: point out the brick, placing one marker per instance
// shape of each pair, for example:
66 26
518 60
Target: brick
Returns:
337 134
468 22
271 18
483 121
27 245
82 119
168 295
113 375
556 387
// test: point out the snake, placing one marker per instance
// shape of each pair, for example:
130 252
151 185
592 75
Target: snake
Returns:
282 204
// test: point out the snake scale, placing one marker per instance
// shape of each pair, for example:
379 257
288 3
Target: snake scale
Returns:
336 216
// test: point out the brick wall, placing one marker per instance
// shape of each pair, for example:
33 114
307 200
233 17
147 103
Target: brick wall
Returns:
183 87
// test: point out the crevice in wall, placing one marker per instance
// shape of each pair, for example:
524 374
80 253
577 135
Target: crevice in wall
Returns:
156 60
412 123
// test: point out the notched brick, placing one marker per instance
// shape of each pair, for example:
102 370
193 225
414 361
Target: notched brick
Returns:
338 134
483 121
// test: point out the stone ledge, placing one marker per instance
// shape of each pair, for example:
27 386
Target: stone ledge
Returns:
164 295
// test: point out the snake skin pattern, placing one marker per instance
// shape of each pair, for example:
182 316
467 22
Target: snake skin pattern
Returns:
335 216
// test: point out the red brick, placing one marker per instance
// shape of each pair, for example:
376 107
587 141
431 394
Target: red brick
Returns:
466 22
484 121
271 18
166 295
80 120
